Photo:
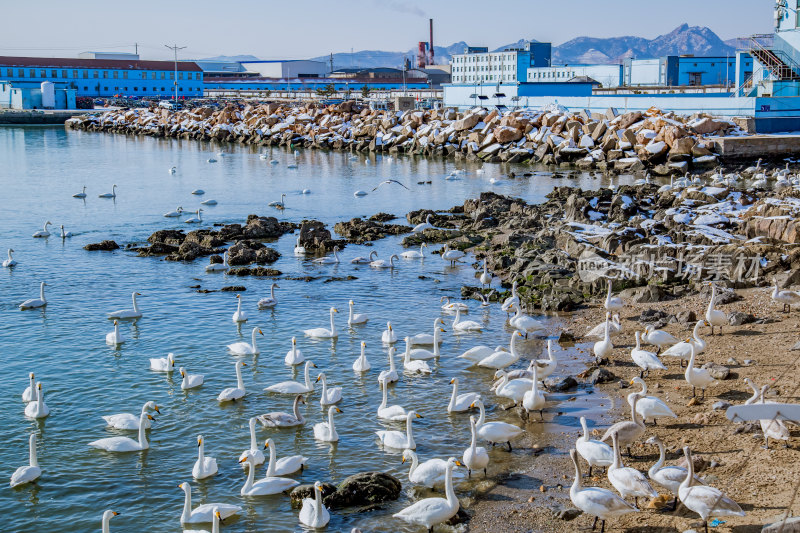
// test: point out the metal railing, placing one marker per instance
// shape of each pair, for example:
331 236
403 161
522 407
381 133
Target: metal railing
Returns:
778 62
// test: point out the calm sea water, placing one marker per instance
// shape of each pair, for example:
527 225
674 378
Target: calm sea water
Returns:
83 378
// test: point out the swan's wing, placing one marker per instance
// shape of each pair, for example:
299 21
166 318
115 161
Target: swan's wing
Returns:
711 498
427 511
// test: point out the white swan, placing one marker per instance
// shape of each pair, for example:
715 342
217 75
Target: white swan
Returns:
602 349
390 412
430 473
627 431
363 260
263 487
465 326
388 336
524 323
209 202
422 354
478 353
203 514
362 364
328 259
417 366
423 226
279 204
595 501
284 420
512 300
683 349
697 377
190 381
326 431
285 465
323 333
105 524
65 234
645 360
115 338
239 315
658 337
785 297
128 313
112 194
43 234
429 512
460 402
174 214
613 305
29 394
413 254
356 318
669 477
704 500
383 263
293 387
204 466
614 327
81 194
243 348
131 421
451 307
495 432
534 399
770 428
486 278
452 255
513 389
475 457
258 455
649 406
10 262
30 472
594 452
299 249
501 358
389 376
270 301
295 355
313 513
163 364
125 444
425 339
628 481
715 317
231 394
328 396
398 439
34 303
219 267
546 367
195 220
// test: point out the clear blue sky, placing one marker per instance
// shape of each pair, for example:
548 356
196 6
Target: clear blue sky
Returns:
306 28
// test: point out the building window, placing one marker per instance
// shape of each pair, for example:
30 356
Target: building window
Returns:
125 74
116 74
135 88
43 73
162 76
33 73
172 75
105 88
152 75
95 74
54 73
21 73
85 88
86 74
64 74
162 89
180 75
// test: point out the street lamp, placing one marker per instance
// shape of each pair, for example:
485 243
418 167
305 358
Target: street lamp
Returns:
175 49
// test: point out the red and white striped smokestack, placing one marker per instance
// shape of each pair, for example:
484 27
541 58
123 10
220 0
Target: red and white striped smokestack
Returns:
430 48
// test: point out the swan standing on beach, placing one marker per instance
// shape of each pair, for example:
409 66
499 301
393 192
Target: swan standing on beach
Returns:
602 349
258 455
284 420
429 512
112 194
649 406
595 501
658 337
594 452
326 431
285 465
389 412
327 259
627 431
163 364
486 278
388 336
697 377
125 444
628 481
495 432
413 366
270 301
704 500
295 355
615 304
323 333
356 318
10 262
130 421
786 297
669 477
203 514
614 327
190 381
460 402
683 349
231 394
128 313
645 360
389 376
362 364
243 348
219 267
715 317
313 513
30 472
294 387
475 457
204 466
239 315
398 439
35 303
413 254
115 338
534 399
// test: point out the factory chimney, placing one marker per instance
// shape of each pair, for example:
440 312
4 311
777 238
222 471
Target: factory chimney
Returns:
430 49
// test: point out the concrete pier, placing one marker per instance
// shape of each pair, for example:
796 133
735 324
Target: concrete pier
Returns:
755 146
14 117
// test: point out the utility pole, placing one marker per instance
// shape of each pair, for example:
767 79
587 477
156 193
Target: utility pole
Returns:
331 61
136 47
175 49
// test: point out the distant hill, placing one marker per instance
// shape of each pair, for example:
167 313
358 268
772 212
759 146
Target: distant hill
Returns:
380 58
243 57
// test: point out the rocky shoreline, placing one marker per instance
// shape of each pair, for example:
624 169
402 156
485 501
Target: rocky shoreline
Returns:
663 142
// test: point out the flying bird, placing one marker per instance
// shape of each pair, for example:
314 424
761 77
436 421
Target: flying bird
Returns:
390 181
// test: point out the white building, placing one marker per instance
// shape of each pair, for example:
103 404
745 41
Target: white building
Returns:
607 75
109 55
643 72
287 68
478 65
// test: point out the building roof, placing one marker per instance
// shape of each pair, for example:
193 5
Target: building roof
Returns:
122 64
283 61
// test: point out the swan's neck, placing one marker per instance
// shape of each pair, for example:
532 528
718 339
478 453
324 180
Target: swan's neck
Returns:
577 486
392 368
32 458
414 463
106 527
407 355
41 292
143 444
309 385
474 442
332 428
535 385
690 366
350 316
638 341
253 443
333 326
251 475
585 430
324 387
421 247
606 336
455 394
34 392
385 395
436 337
512 345
482 417
643 392
410 433
661 456
713 296
187 505
296 410
215 524
317 504
514 290
201 454
634 414
272 292
239 380
9 255
608 295
686 483
617 457
452 501
135 307
271 465
238 306
696 332
252 336
550 351
456 321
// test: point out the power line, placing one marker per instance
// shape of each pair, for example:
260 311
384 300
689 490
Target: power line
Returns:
175 49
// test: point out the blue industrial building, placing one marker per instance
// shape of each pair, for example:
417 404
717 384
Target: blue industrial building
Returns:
107 77
31 95
686 71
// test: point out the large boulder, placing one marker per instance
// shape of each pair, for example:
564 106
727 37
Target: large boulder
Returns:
466 123
262 228
106 245
301 492
314 236
365 488
167 236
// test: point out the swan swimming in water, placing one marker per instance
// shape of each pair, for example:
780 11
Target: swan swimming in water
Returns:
258 455
413 254
81 194
44 233
429 512
130 421
65 234
389 376
190 381
356 318
326 431
174 214
328 259
112 194
388 336
295 355
30 472
125 444
37 408
285 465
202 514
195 220
270 301
328 396
231 394
284 420
204 466
243 348
389 412
115 338
294 387
323 333
163 364
298 248
10 262
313 513
239 315
398 439
362 364
362 259
219 267
128 313
34 303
